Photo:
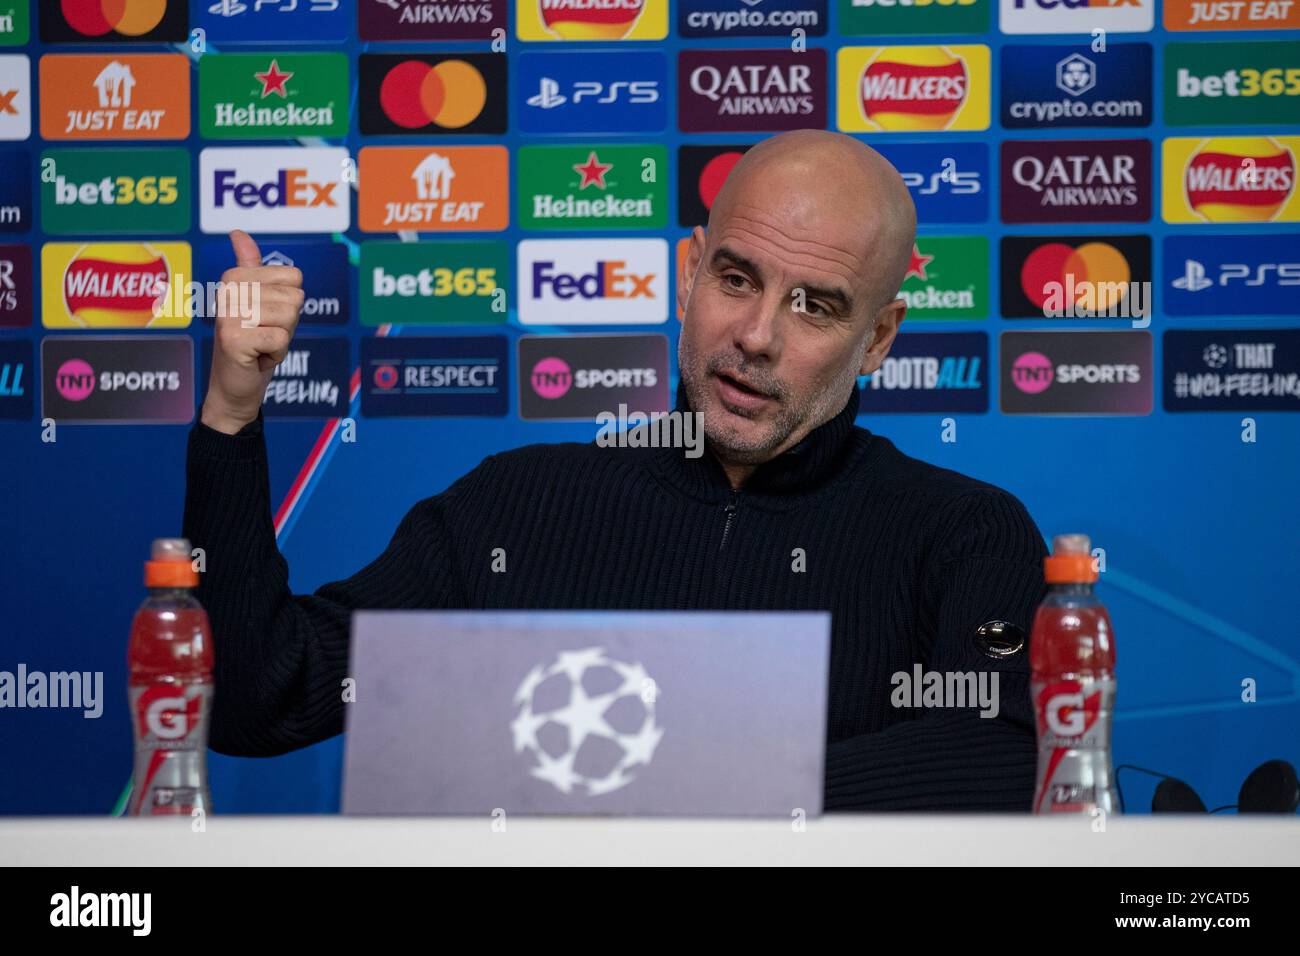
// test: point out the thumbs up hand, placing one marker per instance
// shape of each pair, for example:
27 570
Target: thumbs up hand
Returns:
257 312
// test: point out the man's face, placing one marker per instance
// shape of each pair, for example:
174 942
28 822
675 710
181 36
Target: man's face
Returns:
777 326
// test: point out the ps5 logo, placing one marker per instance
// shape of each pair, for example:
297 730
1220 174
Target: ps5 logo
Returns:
959 183
632 92
1194 278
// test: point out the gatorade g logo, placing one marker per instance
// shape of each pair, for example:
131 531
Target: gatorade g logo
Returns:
1064 711
166 716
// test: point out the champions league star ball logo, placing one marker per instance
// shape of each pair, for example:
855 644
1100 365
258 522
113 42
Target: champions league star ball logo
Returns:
587 721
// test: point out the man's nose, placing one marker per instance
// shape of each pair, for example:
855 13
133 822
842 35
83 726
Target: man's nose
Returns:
758 333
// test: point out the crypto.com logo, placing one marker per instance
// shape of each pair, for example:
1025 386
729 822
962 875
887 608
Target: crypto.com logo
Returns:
587 720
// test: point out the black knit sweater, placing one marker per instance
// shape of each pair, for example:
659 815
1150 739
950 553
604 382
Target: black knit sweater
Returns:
909 559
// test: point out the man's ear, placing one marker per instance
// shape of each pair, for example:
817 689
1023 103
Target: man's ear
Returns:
888 319
686 274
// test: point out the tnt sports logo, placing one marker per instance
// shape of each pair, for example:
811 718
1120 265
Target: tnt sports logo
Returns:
552 378
1034 372
587 721
593 281
1231 179
584 20
914 88
15 97
1076 16
75 380
275 190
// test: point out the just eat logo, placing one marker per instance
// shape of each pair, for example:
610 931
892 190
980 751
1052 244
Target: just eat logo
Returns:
275 190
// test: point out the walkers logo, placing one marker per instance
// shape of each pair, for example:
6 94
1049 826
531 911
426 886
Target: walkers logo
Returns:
275 189
1232 15
701 171
1232 275
17 388
15 191
740 91
930 372
592 19
114 285
594 93
15 97
913 89
1069 277
1075 373
431 94
948 182
324 266
114 21
744 18
1232 83
277 21
15 287
431 19
887 17
1232 370
115 96
448 189
1083 181
273 96
593 187
1076 16
312 381
15 23
593 281
424 377
115 191
947 278
1052 86
1231 179
118 379
434 283
577 377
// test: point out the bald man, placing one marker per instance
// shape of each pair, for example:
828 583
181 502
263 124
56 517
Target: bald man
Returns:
789 295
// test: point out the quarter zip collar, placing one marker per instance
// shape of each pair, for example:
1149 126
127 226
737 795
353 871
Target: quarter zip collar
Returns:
821 456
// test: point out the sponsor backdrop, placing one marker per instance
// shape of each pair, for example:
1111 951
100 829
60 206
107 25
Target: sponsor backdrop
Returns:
488 200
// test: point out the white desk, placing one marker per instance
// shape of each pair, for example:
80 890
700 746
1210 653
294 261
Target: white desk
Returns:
887 839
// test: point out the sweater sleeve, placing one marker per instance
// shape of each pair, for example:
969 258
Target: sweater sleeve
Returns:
280 658
988 567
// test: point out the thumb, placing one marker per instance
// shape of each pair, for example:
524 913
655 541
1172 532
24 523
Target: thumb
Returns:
246 251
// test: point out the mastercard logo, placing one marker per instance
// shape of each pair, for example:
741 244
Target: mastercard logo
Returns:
1097 273
450 94
581 20
1239 179
914 88
95 18
714 174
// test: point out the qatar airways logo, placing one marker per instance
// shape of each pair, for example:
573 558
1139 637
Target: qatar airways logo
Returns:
1104 180
743 90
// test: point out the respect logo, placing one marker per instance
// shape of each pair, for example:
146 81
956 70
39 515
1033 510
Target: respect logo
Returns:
448 189
91 96
113 285
1232 83
602 20
1230 179
913 89
115 191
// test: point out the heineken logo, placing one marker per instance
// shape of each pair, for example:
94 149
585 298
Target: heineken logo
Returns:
563 187
273 96
947 278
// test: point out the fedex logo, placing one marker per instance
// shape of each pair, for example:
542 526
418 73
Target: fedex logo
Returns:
593 282
275 190
1076 16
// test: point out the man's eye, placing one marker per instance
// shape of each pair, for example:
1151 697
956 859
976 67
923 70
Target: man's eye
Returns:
733 275
814 308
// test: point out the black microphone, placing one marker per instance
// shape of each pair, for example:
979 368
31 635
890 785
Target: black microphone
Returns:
1270 788
1175 796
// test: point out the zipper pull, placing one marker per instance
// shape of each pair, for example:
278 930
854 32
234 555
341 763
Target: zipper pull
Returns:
730 512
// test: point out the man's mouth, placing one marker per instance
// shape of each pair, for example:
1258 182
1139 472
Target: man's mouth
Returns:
736 392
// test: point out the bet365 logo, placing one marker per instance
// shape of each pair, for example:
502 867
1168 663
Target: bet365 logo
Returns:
115 191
